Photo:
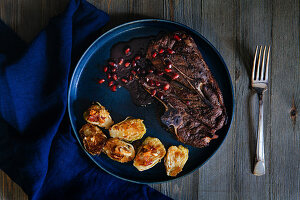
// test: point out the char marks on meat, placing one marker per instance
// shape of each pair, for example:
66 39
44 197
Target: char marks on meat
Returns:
194 104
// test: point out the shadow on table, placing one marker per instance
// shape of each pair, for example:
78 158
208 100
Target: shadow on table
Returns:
246 56
252 123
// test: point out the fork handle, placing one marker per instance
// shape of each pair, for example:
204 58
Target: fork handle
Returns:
259 168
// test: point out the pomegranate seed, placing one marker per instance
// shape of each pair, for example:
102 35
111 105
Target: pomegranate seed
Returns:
153 92
169 65
124 80
154 54
175 76
170 51
127 64
176 37
113 88
101 81
160 95
215 137
160 73
137 58
147 79
133 63
112 64
130 77
161 51
127 51
133 72
115 77
150 71
121 61
188 102
157 83
108 76
168 70
105 69
167 86
114 69
151 82
110 83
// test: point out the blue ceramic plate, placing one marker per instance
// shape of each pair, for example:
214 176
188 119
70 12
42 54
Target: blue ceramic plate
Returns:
84 90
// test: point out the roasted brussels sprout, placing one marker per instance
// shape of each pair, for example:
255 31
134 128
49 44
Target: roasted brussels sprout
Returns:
98 115
119 150
93 138
128 130
175 159
149 154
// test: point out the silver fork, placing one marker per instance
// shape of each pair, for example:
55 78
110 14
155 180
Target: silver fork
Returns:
259 82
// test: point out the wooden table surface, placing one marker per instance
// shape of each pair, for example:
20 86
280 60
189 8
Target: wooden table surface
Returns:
234 28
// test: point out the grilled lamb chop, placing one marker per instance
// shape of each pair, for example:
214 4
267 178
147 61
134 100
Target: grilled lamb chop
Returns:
192 99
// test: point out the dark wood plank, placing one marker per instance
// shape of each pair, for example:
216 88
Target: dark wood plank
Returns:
253 28
21 15
218 25
284 158
10 190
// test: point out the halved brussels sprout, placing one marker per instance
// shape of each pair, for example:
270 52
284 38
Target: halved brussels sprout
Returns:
128 130
175 159
93 138
98 115
119 150
149 154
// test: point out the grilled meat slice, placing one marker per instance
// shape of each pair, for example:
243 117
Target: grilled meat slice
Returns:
193 101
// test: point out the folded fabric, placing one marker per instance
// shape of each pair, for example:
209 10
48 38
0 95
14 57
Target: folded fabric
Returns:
37 148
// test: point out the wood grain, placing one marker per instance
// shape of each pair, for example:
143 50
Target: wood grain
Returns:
234 28
255 14
285 134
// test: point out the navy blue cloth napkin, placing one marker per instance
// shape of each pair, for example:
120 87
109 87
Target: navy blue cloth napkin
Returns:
37 148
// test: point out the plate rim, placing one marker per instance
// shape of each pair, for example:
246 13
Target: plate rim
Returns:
141 21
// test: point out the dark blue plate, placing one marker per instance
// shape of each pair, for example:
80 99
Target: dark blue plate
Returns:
84 90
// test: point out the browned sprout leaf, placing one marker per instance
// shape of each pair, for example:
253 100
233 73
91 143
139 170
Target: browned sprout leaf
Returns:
149 154
119 150
97 114
93 138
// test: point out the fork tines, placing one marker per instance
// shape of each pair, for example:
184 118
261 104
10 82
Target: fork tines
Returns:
261 67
